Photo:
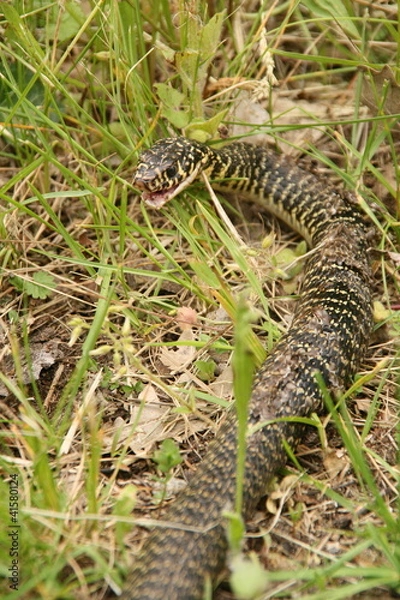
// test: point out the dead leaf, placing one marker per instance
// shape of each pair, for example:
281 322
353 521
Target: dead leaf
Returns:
395 257
41 356
151 422
149 418
335 462
222 386
180 359
172 488
363 404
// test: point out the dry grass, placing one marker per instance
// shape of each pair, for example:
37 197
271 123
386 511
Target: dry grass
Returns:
115 321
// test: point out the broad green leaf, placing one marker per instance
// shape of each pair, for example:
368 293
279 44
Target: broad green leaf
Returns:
337 11
45 284
202 130
192 63
205 369
72 19
169 96
41 286
211 35
171 102
168 456
177 118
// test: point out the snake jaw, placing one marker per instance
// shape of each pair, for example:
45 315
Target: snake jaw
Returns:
157 198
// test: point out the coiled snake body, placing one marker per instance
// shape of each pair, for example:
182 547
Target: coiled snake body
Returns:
329 335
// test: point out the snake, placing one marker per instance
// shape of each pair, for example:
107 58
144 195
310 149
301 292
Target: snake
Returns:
186 551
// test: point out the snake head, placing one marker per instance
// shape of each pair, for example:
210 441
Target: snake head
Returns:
169 167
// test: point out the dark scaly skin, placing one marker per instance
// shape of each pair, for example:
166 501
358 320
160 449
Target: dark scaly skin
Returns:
329 334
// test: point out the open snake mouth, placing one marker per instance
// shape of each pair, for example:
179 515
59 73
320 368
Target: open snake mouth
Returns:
157 198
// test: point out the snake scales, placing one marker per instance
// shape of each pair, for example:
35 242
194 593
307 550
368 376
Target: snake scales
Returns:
329 334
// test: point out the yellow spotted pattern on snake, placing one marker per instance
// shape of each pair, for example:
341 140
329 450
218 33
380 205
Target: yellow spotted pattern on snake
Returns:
329 334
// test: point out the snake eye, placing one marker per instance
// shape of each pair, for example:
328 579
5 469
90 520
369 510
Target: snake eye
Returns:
170 172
